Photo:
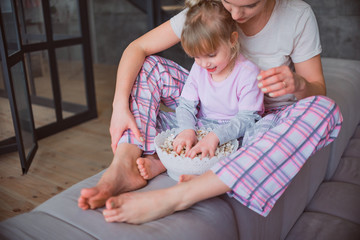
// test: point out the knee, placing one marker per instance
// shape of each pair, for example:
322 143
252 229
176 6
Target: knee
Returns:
327 107
151 61
329 104
315 102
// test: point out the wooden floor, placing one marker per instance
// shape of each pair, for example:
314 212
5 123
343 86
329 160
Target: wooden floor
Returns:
62 159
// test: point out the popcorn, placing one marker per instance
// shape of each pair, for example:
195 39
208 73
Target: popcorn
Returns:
178 164
221 151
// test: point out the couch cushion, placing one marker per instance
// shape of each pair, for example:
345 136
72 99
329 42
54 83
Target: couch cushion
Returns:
342 79
338 199
357 132
348 171
321 226
210 219
40 226
353 148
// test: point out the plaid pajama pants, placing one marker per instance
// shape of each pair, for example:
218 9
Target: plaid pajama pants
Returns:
260 171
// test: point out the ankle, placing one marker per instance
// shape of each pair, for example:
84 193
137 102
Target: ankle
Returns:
180 199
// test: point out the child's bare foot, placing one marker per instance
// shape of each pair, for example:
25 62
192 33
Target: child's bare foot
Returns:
150 166
186 178
121 176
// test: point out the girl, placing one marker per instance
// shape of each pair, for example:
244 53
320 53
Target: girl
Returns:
211 37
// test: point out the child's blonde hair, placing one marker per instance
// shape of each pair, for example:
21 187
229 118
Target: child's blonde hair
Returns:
208 25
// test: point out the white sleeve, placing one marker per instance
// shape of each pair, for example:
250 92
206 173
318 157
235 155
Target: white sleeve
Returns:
177 22
307 38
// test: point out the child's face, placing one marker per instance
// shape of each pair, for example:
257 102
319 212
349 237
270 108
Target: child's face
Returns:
216 63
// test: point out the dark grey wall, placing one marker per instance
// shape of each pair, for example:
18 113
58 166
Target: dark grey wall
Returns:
115 23
339 24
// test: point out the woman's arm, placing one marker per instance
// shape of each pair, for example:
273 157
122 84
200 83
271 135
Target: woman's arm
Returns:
307 81
310 78
156 40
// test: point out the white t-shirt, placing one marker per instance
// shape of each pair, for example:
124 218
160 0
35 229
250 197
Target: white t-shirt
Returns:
290 36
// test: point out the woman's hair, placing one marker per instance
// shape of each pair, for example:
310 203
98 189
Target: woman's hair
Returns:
208 25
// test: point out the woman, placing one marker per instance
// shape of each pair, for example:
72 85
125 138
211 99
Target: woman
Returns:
282 37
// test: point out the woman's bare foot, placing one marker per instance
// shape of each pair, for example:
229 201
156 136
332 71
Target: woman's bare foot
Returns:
150 166
140 207
96 196
121 176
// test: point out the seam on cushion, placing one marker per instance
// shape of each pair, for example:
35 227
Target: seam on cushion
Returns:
331 215
9 228
233 210
342 182
67 223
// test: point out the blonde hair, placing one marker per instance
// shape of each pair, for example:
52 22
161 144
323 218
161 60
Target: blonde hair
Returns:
208 25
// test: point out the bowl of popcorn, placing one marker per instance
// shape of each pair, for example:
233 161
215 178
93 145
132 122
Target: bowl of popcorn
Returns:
178 164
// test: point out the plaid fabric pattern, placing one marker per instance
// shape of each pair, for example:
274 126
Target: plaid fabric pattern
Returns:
259 173
159 81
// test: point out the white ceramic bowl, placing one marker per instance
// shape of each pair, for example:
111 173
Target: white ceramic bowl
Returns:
177 165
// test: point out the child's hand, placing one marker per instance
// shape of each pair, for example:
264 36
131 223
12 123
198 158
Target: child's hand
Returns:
206 146
187 139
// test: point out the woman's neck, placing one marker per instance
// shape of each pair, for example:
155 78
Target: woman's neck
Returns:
257 23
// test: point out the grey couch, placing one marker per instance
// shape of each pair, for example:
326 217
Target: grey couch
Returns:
322 201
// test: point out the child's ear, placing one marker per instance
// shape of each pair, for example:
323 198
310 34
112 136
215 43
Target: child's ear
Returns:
234 38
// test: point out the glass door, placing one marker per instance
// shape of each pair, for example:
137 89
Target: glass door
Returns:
15 87
47 82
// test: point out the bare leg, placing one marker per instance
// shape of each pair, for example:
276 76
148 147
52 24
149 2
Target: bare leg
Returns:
121 176
150 166
140 207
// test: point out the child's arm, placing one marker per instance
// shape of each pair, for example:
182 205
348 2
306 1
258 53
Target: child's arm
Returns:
237 126
186 114
186 119
224 133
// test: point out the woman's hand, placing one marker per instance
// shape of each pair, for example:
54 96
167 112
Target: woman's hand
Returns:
120 122
187 139
206 146
307 81
279 81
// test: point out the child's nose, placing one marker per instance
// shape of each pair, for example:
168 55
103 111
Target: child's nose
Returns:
205 64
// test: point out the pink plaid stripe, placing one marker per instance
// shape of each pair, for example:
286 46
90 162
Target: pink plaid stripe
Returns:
159 80
259 173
